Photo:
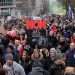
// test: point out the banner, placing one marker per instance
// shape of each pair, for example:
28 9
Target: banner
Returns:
36 24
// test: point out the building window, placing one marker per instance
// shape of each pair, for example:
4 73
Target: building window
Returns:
6 2
33 3
5 12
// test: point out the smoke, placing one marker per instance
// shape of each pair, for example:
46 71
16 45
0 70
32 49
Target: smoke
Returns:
56 7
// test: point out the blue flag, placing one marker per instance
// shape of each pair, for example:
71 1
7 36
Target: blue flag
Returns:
70 12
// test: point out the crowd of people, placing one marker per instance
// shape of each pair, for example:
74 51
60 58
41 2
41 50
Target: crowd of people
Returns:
49 51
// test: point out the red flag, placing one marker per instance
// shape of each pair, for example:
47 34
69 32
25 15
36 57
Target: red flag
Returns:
36 24
42 24
30 24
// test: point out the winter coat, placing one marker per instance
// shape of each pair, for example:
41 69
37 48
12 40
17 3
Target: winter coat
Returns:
15 69
27 66
70 58
38 71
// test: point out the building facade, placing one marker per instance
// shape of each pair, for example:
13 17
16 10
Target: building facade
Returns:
23 7
7 7
32 7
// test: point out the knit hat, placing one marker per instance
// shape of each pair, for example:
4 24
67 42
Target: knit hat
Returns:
9 56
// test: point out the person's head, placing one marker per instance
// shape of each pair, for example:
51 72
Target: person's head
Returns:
58 35
69 71
36 54
45 52
62 39
9 59
51 33
23 42
24 55
10 49
53 53
17 42
72 46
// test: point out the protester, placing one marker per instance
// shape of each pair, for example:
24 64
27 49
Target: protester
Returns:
40 49
11 67
26 62
10 49
37 66
70 56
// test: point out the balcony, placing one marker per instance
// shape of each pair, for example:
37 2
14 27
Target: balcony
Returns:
7 5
